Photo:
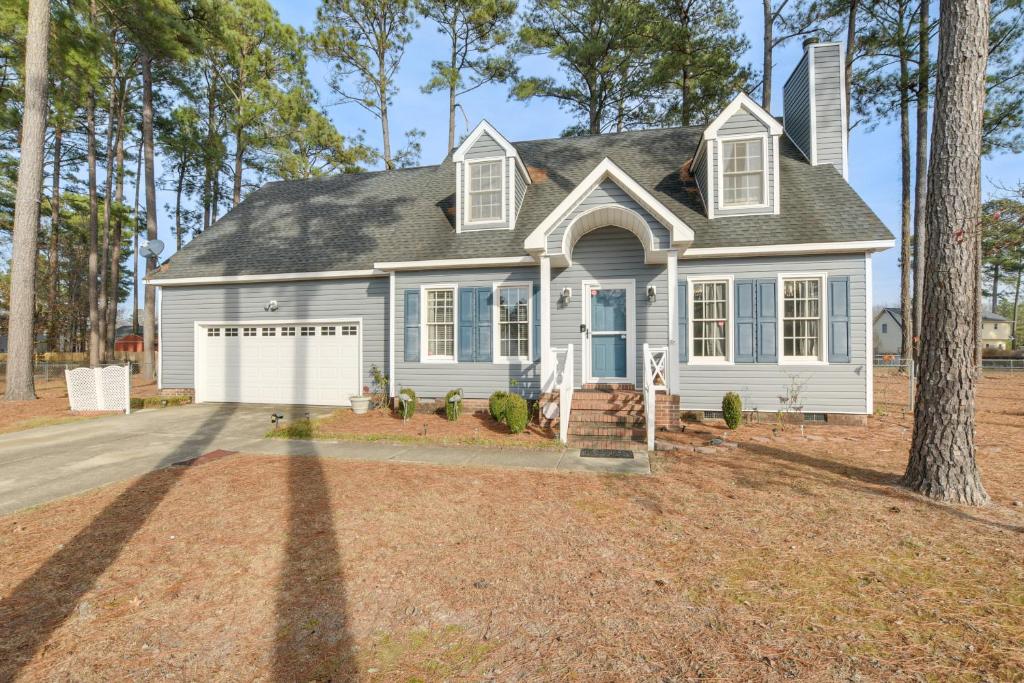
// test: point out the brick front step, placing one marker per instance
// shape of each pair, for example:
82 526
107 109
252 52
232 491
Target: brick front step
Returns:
619 444
605 431
592 395
616 417
628 406
608 387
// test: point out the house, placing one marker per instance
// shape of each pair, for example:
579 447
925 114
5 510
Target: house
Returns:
996 332
684 262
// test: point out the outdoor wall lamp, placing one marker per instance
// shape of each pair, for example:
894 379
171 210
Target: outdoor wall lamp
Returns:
271 306
652 293
566 295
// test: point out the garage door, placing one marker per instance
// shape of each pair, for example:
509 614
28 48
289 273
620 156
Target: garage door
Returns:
296 363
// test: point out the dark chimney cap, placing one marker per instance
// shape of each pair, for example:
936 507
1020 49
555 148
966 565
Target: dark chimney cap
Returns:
813 40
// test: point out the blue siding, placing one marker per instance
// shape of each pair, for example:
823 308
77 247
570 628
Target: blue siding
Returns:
744 123
605 194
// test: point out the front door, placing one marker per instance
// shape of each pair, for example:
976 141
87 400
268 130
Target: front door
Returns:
610 355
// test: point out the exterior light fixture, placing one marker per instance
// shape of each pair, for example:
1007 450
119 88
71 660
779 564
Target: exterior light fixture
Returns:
566 295
652 293
271 305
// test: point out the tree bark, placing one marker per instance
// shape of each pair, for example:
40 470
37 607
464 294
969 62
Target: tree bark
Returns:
921 173
452 84
942 459
906 264
995 287
116 240
108 187
236 191
53 260
210 168
178 187
94 314
149 320
385 125
766 57
21 320
851 42
135 243
1016 303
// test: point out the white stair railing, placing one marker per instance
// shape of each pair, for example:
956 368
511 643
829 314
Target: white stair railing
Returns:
564 365
655 380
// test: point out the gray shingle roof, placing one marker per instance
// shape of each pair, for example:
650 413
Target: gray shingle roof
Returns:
349 222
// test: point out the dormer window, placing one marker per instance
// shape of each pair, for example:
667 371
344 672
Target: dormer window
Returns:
486 190
743 172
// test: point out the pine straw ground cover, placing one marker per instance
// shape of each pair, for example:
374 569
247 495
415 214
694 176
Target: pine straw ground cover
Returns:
51 406
788 557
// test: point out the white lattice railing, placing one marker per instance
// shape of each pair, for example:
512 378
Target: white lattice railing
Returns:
655 380
100 389
565 368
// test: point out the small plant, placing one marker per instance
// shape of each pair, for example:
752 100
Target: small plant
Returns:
790 401
378 388
496 405
517 413
732 410
299 429
406 409
453 408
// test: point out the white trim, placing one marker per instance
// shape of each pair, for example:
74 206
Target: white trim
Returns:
869 360
763 137
822 359
730 323
681 234
495 223
673 321
546 377
496 357
268 277
159 296
629 220
484 127
630 287
391 336
842 109
790 249
710 153
776 177
424 343
742 100
812 109
510 177
459 170
197 343
437 264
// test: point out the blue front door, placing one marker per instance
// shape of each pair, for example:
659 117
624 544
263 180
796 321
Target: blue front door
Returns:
608 334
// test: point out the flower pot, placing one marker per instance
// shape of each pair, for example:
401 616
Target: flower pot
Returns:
360 404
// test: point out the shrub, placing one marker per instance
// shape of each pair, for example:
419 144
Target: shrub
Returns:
732 410
452 409
496 405
299 429
406 409
517 413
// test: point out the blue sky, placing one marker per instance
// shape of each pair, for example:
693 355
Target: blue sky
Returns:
874 156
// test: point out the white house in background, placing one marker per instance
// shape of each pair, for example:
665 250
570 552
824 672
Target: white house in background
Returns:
995 332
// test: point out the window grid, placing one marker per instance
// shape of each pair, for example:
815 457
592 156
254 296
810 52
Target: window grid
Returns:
441 323
269 331
230 331
287 331
212 331
801 318
348 330
514 322
710 319
485 191
743 172
328 331
307 331
248 331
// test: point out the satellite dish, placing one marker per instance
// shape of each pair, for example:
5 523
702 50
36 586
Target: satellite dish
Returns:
151 247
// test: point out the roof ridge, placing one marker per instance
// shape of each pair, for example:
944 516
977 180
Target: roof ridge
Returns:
635 131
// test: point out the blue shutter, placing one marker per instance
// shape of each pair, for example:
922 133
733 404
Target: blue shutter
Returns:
767 322
467 318
839 319
484 308
745 321
412 325
683 307
535 328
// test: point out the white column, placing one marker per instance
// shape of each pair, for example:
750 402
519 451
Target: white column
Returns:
392 383
869 362
546 369
673 321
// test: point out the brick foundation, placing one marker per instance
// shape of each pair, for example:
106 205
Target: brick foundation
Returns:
834 419
187 391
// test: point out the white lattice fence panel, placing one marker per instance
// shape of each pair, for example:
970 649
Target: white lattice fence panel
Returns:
94 389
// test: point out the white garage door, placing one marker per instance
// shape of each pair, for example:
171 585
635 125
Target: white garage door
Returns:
314 363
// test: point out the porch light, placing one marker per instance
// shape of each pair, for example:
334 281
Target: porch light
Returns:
566 295
652 293
271 305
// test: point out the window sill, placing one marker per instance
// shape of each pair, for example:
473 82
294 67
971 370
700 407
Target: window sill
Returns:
439 360
802 361
498 360
709 361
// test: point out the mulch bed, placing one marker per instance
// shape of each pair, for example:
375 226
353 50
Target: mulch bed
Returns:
51 406
788 557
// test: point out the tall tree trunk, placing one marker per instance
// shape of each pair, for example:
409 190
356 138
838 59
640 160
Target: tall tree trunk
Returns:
149 321
210 167
135 242
236 193
116 240
978 262
906 309
452 82
995 287
942 459
178 187
94 313
21 320
921 179
766 57
53 260
1016 303
851 45
385 125
108 188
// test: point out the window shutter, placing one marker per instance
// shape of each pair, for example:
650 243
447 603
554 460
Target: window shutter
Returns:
412 325
467 324
745 321
535 327
839 319
767 322
484 308
683 307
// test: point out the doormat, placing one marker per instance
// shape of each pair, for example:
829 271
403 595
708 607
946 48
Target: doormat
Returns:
605 453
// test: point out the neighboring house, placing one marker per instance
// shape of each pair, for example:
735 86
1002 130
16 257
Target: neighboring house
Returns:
739 247
995 332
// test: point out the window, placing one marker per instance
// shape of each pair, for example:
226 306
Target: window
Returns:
305 331
212 331
287 331
248 331
743 172
485 190
710 319
885 328
269 331
347 330
441 323
801 318
230 331
328 331
514 321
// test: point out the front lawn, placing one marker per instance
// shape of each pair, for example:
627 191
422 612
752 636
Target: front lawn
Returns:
789 557
51 406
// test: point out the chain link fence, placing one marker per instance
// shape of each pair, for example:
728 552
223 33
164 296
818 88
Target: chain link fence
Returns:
45 372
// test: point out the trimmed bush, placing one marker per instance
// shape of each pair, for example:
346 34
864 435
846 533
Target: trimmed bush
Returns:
452 409
517 413
496 405
732 410
406 409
